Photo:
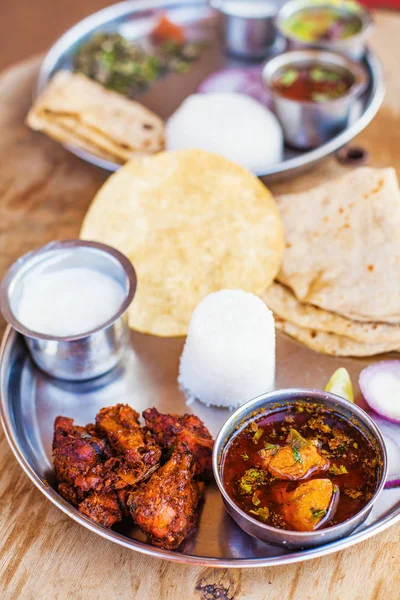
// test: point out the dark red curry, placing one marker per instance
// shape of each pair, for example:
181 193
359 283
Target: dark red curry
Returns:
312 83
301 468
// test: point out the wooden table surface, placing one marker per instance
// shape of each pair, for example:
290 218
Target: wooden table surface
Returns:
44 193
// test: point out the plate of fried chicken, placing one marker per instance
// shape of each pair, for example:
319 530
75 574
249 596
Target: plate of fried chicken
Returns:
153 474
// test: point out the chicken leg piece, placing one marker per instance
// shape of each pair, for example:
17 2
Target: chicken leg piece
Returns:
166 508
80 463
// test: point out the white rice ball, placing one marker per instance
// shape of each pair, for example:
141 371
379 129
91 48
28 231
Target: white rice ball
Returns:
230 124
229 354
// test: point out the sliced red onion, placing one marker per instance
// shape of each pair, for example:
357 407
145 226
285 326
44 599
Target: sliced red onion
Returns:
380 386
391 434
244 81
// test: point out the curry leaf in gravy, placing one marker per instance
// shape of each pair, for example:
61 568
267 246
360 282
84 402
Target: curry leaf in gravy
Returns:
296 440
319 74
318 514
255 474
250 480
262 513
272 448
288 77
257 435
320 97
297 455
335 470
245 488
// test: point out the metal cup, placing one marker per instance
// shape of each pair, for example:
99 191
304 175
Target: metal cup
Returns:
248 32
92 353
260 406
353 46
308 124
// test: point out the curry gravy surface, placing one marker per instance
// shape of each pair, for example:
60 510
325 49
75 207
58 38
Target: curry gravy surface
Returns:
345 457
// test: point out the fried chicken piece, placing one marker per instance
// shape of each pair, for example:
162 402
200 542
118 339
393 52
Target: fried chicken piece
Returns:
114 474
183 431
121 425
165 508
298 460
79 456
86 471
76 452
102 508
70 494
306 506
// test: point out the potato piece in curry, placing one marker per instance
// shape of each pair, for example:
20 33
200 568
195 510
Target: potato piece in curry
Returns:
307 505
298 459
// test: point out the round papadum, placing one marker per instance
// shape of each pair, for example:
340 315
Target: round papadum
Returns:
331 343
285 304
192 223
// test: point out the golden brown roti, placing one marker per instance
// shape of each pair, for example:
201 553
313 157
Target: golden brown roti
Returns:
284 304
76 110
343 245
331 343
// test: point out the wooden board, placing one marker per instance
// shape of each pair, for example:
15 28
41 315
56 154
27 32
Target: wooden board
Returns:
44 193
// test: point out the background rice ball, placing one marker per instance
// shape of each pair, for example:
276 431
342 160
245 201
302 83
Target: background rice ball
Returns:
230 124
229 354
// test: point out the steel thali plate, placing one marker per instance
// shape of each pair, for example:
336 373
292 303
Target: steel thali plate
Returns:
136 19
147 376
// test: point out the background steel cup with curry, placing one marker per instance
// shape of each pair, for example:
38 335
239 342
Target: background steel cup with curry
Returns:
353 46
307 124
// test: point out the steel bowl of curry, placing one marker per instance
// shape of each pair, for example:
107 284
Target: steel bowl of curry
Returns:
342 26
315 94
299 468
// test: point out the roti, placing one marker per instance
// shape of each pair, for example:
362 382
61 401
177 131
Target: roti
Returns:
192 223
284 304
331 343
342 248
78 111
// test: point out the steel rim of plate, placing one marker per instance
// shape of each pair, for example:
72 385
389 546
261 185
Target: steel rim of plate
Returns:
9 338
129 8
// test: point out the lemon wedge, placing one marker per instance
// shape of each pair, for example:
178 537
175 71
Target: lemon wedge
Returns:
340 384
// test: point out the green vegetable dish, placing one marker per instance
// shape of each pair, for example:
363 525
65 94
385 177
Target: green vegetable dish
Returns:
317 24
130 68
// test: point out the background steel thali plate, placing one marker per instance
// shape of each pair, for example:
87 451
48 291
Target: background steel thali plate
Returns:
136 19
30 401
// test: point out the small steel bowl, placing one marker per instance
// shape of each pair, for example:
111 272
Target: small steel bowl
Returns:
308 124
259 406
92 353
353 46
247 35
